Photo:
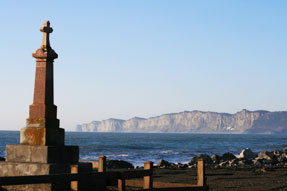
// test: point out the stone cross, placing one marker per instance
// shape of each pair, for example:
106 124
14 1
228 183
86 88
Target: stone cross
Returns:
42 126
46 29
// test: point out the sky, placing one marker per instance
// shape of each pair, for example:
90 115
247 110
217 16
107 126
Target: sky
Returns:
121 59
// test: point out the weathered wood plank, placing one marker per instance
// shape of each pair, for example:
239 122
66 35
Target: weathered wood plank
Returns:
200 173
148 180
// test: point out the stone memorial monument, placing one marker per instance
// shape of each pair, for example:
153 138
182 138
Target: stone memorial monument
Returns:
42 149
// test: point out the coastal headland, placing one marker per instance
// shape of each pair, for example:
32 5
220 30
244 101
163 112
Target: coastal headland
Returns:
260 122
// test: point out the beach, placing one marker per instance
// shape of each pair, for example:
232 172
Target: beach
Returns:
252 179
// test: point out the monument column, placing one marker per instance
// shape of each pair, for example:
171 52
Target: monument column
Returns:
41 150
42 126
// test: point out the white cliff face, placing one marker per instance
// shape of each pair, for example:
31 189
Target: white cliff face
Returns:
190 122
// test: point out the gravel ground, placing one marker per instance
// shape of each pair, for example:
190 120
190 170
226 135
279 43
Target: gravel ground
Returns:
229 179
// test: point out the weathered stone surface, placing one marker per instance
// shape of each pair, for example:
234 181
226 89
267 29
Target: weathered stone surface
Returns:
163 163
234 162
247 154
42 126
228 156
42 154
25 169
266 155
277 153
118 164
245 162
205 157
282 158
258 162
216 158
42 136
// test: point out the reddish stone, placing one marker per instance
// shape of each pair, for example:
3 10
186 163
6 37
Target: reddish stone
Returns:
43 112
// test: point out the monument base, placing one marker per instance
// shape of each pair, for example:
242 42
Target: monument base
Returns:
29 160
26 169
42 154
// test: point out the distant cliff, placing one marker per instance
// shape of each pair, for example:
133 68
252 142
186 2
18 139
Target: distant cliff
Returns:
196 122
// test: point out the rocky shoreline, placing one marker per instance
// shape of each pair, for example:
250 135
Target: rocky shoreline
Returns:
246 159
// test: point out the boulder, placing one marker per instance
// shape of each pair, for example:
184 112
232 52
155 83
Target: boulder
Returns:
266 155
118 164
216 159
258 162
192 161
163 163
247 154
282 158
228 156
224 164
277 153
234 162
206 158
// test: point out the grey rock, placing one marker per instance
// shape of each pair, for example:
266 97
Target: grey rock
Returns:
192 161
277 153
282 158
115 164
247 154
258 163
233 162
216 159
224 164
228 156
163 163
206 158
266 155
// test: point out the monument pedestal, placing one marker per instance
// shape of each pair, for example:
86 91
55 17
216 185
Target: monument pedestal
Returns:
28 169
25 160
42 154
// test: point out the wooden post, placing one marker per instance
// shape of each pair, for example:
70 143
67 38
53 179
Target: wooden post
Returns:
121 185
200 173
102 164
148 180
74 184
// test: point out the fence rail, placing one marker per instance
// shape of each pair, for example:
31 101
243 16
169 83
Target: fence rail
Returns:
123 178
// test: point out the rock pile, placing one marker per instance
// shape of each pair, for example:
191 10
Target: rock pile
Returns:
246 159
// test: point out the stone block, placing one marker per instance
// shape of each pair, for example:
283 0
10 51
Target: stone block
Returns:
42 136
26 169
42 154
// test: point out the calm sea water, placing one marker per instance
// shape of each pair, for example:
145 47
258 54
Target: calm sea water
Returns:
139 147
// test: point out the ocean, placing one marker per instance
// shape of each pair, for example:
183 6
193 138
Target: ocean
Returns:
139 147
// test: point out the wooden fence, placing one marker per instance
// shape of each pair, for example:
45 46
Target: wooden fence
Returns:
124 178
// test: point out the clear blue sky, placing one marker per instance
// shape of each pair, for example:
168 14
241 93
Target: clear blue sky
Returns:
120 59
